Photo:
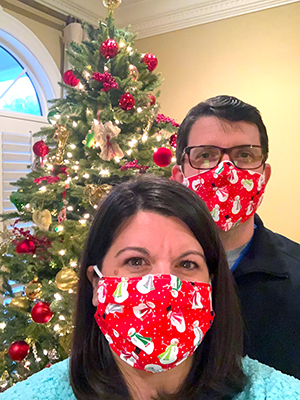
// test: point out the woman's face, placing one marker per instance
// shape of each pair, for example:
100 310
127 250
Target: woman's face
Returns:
150 243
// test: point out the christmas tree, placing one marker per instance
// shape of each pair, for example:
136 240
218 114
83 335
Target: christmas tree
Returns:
105 130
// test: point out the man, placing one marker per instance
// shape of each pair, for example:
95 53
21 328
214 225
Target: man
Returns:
222 149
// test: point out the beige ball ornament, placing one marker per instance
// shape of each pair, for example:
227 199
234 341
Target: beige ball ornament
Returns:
19 302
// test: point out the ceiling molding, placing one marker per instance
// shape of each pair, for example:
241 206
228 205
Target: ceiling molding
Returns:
153 17
74 8
201 14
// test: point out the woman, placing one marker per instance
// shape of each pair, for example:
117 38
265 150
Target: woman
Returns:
157 315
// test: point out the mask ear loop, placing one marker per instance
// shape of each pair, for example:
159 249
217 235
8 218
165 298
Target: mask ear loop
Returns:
98 272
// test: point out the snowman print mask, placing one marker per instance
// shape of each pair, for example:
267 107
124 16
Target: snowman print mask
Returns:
153 322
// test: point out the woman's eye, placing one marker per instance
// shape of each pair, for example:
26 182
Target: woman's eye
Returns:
135 262
186 264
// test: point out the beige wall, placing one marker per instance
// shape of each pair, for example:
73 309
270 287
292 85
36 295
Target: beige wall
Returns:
47 28
255 57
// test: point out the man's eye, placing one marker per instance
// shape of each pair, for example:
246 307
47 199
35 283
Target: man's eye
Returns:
187 264
135 262
203 156
245 155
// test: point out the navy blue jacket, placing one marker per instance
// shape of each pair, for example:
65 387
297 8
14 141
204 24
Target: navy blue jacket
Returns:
268 283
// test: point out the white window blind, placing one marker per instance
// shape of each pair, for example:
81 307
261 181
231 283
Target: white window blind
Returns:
16 156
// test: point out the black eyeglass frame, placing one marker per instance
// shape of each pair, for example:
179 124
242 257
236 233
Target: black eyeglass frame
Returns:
188 149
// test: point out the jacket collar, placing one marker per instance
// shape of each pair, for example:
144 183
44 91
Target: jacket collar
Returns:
263 254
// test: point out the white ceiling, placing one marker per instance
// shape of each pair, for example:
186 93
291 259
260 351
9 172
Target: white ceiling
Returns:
153 17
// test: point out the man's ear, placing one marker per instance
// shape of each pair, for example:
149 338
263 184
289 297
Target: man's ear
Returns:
177 174
94 279
267 172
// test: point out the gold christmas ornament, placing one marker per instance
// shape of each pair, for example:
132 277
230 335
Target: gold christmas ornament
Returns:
66 279
5 375
95 193
19 302
42 219
133 72
61 134
111 4
33 289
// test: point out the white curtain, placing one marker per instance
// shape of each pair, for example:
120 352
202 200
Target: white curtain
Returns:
73 32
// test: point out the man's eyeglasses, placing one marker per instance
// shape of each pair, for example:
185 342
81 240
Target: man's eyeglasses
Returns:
208 157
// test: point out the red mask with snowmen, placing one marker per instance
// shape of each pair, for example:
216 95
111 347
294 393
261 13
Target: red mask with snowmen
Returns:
232 195
153 322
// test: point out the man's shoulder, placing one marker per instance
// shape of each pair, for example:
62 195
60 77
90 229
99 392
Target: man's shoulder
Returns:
284 244
49 384
267 383
279 242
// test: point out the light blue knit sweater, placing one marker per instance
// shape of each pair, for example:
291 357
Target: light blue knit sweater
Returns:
53 383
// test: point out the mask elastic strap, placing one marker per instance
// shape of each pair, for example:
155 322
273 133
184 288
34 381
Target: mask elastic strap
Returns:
98 272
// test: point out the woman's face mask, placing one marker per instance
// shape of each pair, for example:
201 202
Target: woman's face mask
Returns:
154 322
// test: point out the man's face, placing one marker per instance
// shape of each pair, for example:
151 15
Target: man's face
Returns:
215 132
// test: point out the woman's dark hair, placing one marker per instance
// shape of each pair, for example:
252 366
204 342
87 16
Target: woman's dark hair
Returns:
216 371
226 108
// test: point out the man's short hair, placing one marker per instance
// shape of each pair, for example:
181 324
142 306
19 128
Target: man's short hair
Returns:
227 108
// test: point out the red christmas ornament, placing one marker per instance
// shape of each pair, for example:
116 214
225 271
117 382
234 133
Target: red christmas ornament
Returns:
69 78
109 48
173 140
25 246
162 157
41 312
18 350
151 61
40 149
126 101
152 99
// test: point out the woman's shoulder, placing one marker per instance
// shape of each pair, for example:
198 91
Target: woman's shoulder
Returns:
265 382
49 384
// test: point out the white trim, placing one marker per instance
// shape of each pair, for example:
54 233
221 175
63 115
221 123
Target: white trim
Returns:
205 12
154 17
30 51
76 9
26 117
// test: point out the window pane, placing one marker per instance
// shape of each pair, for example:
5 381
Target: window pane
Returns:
21 96
9 67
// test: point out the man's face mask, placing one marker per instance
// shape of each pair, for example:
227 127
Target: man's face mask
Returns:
232 195
154 322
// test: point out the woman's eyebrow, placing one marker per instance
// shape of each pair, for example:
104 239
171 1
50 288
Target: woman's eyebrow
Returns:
189 252
140 249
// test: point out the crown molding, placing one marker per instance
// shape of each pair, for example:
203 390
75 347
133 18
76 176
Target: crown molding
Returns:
197 14
154 17
75 8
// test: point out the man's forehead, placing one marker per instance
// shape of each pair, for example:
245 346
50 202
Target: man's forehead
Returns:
212 130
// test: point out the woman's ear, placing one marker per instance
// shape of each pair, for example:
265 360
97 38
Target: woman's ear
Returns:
94 279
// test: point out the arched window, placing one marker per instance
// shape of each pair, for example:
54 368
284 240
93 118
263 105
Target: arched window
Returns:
17 92
28 79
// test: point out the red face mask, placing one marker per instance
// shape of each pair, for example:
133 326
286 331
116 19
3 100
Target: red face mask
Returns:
232 195
153 322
